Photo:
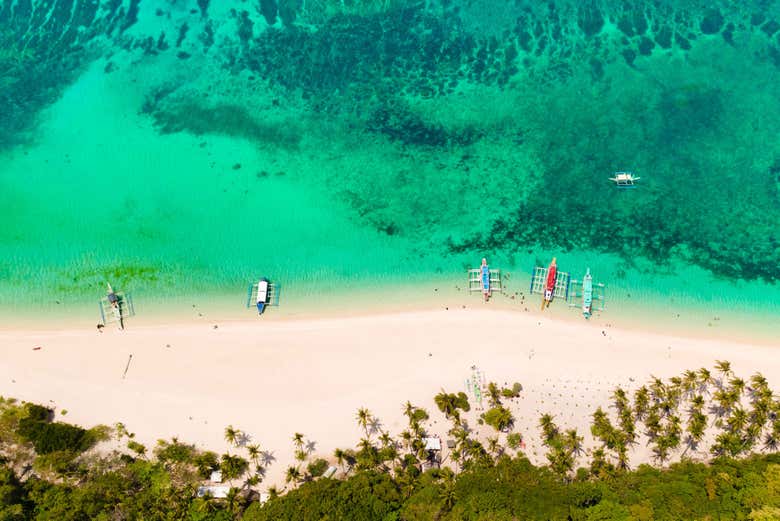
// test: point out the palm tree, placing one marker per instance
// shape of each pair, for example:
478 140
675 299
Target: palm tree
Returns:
737 385
298 440
573 441
772 438
697 423
232 435
447 493
447 404
627 424
406 439
599 466
641 402
561 460
254 453
340 456
494 447
673 431
386 440
657 389
653 423
697 403
758 383
293 475
549 429
514 441
235 501
619 399
409 410
364 419
623 463
724 401
494 394
724 368
690 382
705 379
737 420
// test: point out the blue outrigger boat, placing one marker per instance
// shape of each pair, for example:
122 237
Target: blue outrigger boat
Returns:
589 292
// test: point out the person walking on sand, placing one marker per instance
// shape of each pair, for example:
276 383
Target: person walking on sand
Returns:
484 272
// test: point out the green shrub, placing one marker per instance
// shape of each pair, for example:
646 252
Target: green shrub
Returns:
512 392
462 402
58 462
420 415
514 440
51 437
498 417
38 412
174 452
233 467
207 462
136 447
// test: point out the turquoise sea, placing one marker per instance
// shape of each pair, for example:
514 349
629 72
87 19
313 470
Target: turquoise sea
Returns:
185 147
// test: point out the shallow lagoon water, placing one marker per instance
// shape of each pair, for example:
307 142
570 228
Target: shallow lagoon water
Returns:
382 148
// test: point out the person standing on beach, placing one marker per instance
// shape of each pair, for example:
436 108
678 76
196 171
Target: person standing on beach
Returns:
485 274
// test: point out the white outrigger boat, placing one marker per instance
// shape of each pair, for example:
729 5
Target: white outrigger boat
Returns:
116 306
262 294
624 179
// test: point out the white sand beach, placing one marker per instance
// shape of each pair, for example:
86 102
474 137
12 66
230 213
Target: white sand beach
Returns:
272 378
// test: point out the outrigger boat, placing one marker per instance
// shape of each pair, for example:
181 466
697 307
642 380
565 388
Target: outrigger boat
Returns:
477 282
116 306
624 179
589 292
262 294
550 283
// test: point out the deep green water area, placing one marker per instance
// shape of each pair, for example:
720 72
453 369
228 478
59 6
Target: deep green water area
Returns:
177 148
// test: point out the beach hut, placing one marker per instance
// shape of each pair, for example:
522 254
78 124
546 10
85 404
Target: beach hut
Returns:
215 491
433 448
432 444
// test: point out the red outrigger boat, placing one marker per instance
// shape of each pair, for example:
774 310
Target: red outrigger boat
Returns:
549 286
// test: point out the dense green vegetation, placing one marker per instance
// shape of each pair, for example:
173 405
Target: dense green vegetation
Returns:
53 470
